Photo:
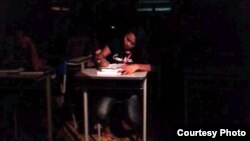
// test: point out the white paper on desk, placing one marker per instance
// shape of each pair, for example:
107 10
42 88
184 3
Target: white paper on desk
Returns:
113 66
109 72
111 69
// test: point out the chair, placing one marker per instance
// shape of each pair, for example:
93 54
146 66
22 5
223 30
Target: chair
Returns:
77 54
76 46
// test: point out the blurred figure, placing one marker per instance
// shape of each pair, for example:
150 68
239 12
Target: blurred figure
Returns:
18 51
22 52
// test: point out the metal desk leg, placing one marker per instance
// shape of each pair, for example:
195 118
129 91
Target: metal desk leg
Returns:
15 124
185 102
49 111
144 137
85 107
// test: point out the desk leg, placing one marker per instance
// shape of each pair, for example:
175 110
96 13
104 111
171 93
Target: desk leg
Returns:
15 124
144 137
49 111
85 107
185 102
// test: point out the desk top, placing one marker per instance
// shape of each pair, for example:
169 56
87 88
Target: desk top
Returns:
23 74
91 73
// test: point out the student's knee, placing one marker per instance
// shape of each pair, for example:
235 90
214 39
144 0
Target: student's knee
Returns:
134 110
104 107
133 98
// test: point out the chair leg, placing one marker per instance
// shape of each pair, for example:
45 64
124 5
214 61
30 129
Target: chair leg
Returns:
74 121
99 131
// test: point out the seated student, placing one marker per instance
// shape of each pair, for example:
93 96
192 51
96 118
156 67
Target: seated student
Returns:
22 52
19 50
131 52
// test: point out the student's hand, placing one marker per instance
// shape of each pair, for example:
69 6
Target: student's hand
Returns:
104 62
129 69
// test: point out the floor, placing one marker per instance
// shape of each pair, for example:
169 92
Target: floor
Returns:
158 129
26 123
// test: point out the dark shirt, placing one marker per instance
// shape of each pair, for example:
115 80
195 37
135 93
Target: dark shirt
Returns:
118 55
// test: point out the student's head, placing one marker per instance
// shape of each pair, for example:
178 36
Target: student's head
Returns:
133 37
129 40
19 34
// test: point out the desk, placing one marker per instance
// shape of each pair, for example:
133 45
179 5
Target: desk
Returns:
89 79
17 82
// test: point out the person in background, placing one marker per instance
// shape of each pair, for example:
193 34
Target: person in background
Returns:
19 51
130 51
22 52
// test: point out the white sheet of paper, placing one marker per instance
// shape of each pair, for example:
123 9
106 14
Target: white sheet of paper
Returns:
113 66
111 69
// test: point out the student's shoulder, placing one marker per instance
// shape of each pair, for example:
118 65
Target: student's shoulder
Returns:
28 39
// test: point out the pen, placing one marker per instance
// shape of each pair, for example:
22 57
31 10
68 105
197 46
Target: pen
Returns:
99 67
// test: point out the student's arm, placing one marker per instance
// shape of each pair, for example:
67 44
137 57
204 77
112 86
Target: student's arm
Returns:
144 67
102 54
129 69
36 62
141 63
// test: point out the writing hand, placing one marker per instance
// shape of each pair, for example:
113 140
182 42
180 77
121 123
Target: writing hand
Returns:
104 63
